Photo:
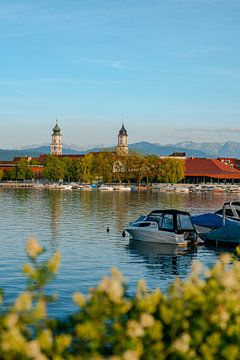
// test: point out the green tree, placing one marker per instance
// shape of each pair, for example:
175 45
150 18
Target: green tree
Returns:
150 167
68 168
103 166
1 174
35 162
23 170
12 174
119 168
171 171
135 167
84 168
53 168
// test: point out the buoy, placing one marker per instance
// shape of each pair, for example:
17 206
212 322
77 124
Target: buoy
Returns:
108 229
123 233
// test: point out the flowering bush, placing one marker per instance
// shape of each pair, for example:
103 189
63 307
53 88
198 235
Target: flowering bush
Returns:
198 319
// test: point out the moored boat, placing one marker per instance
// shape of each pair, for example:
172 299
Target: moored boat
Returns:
164 226
230 212
121 187
104 187
227 235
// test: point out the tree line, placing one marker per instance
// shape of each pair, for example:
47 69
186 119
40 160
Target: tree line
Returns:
104 167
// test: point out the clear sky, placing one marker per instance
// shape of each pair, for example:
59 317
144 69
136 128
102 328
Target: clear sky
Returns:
169 68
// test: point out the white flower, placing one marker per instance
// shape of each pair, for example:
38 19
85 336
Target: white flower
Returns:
146 320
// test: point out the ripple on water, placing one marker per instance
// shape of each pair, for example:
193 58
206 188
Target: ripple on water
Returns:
75 222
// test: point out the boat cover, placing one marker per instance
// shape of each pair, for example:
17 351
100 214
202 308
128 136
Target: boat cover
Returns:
228 233
209 220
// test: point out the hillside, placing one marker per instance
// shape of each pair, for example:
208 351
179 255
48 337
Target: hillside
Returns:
205 149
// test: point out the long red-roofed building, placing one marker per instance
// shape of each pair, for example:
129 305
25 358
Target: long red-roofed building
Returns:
203 170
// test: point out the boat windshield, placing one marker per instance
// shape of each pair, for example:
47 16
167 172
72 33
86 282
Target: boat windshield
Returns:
184 222
167 222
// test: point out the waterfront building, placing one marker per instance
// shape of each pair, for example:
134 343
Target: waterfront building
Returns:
201 170
56 144
122 147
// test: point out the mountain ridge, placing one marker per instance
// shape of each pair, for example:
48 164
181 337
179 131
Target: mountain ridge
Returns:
191 148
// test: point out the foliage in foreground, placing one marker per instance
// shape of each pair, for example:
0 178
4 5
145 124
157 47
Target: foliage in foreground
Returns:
198 319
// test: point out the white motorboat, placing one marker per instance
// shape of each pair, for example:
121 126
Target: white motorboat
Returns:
121 187
105 187
164 226
181 189
65 187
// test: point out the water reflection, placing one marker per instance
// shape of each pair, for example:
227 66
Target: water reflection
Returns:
170 259
53 201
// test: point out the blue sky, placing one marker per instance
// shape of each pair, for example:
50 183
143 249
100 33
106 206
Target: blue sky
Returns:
169 68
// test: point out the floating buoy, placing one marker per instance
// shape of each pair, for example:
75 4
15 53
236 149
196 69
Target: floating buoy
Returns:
123 233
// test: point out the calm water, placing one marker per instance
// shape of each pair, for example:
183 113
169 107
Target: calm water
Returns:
75 222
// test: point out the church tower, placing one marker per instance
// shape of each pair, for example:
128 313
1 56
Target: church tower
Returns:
56 144
122 148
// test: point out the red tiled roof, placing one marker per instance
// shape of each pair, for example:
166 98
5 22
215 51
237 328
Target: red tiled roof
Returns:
210 168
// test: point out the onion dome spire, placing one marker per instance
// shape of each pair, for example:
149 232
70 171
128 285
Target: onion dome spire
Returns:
123 131
56 129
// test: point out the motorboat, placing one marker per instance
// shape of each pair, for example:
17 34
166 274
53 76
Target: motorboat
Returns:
226 235
85 187
58 186
104 187
65 187
181 189
221 227
164 226
209 221
121 187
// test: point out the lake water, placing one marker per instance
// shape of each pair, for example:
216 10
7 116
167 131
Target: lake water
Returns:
75 223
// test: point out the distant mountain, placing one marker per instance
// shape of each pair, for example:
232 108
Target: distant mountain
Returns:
10 154
35 152
157 149
205 149
214 149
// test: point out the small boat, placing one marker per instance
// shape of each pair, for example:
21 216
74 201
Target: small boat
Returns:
121 187
181 189
226 235
164 226
65 187
230 212
85 187
58 186
105 187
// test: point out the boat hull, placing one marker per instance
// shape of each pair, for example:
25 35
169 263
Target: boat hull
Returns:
156 236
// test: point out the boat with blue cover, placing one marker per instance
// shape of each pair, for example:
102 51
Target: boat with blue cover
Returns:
208 221
223 226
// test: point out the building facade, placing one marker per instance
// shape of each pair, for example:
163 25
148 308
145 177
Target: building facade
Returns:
56 144
122 147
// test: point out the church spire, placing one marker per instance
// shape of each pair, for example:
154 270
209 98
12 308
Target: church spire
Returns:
56 144
122 148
